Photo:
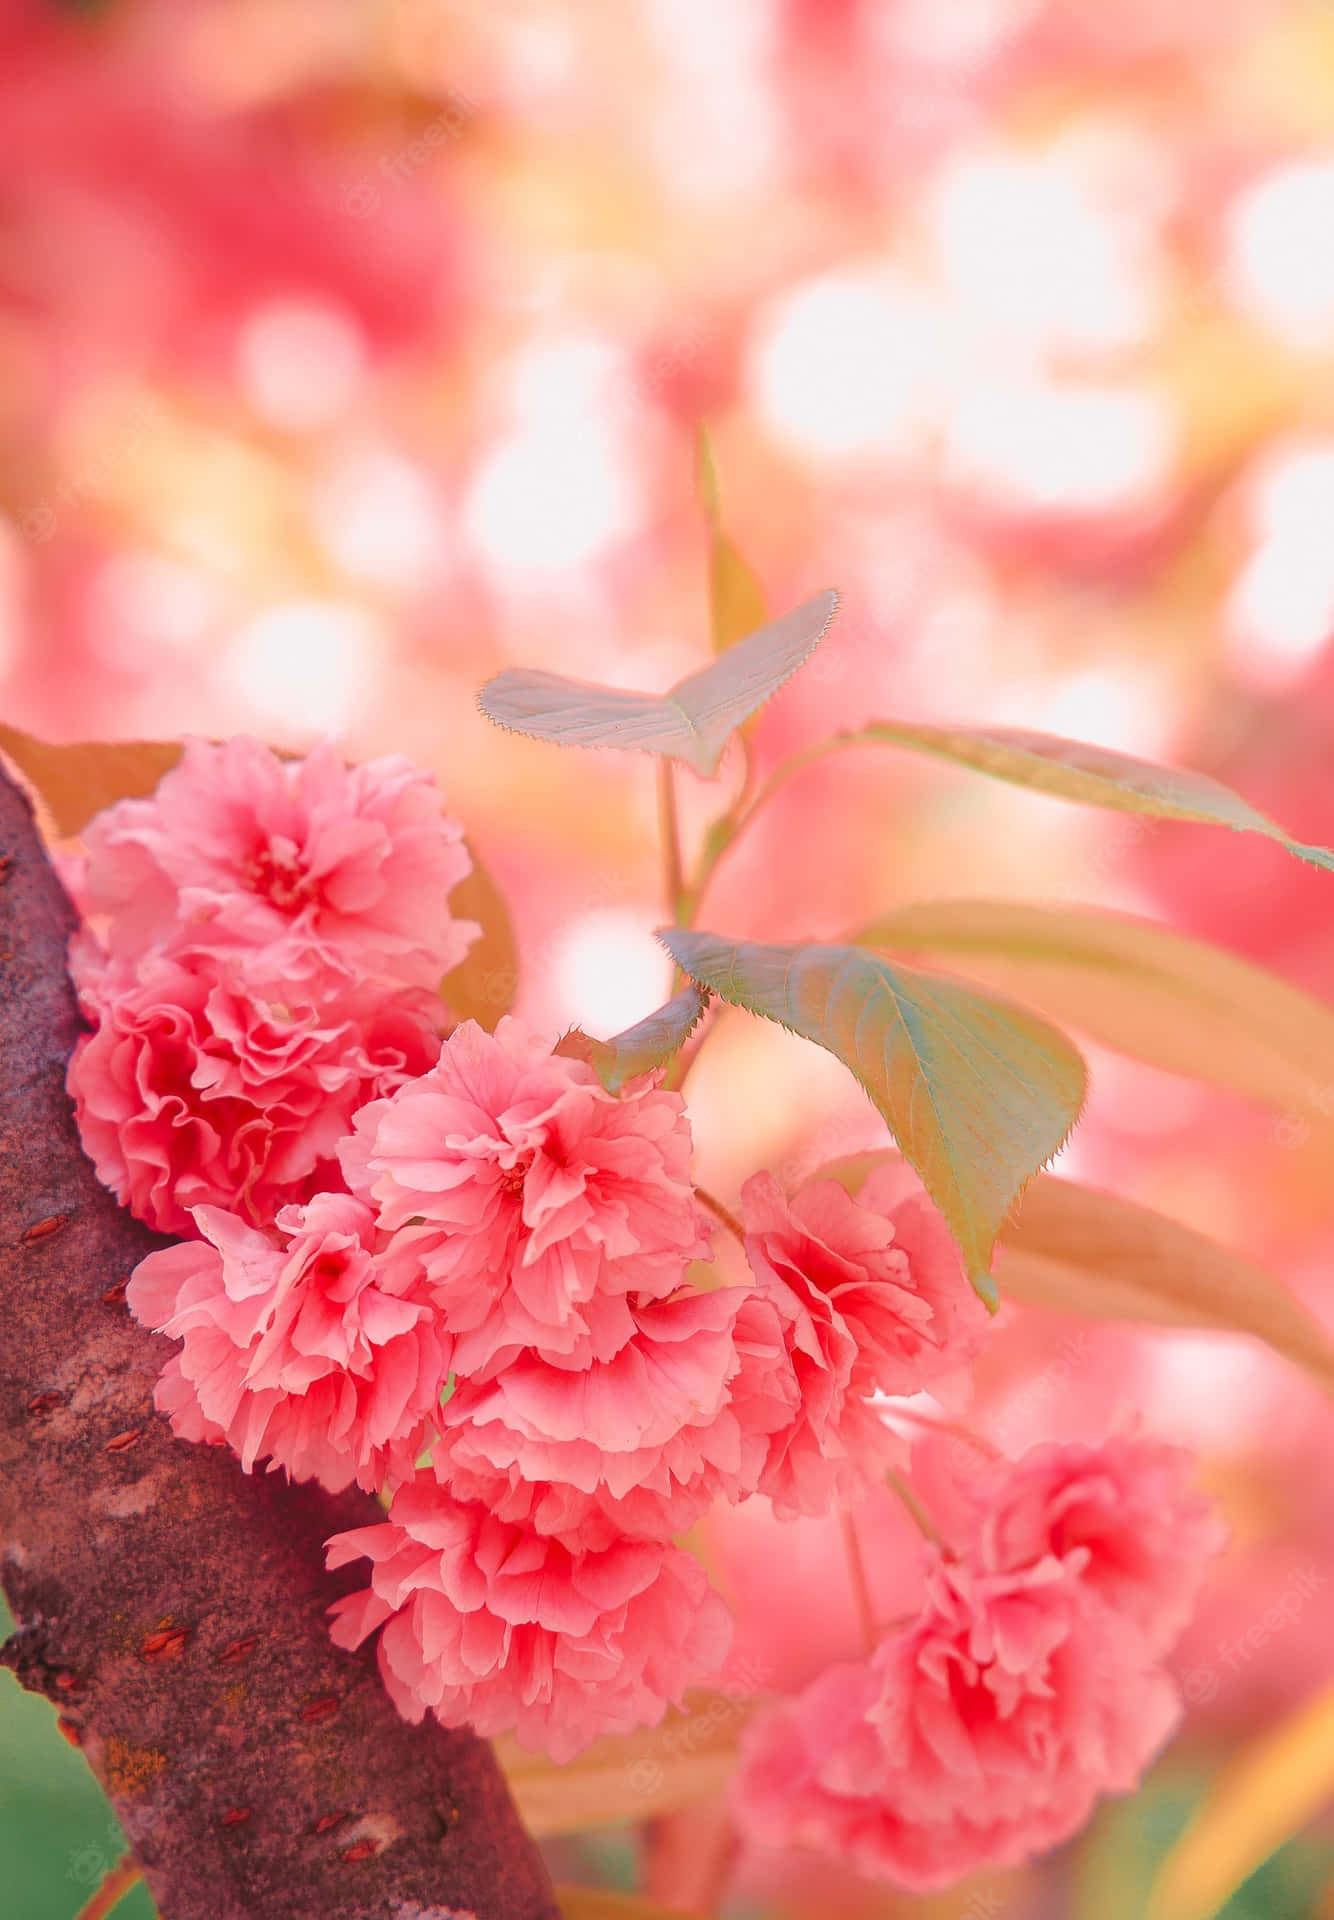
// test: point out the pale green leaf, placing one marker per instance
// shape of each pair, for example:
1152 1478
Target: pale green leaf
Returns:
977 1093
1072 770
686 1758
1073 1249
77 781
706 477
1264 1796
648 1044
736 599
1137 987
691 723
483 985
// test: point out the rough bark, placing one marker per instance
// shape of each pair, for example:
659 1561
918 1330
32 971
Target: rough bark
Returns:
170 1606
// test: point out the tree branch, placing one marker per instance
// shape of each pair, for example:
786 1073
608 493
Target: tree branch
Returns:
172 1607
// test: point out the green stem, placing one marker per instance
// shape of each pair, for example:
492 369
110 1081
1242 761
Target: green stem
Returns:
669 827
724 833
684 898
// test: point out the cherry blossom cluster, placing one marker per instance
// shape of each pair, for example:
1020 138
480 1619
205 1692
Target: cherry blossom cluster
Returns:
262 948
982 1730
451 1267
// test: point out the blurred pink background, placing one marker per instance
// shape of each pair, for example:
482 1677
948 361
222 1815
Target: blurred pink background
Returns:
350 352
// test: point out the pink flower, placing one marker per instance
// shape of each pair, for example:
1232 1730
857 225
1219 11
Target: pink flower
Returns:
640 1442
491 1625
352 865
977 1736
1123 1514
299 1354
216 1081
535 1200
872 1299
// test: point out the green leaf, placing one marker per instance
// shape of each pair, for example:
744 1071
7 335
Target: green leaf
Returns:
648 1044
483 985
1266 1794
736 599
978 1094
1137 987
77 781
1071 770
691 723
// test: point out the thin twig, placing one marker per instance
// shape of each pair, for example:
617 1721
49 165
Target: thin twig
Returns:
124 1875
720 1212
728 831
976 1442
861 1591
926 1525
681 1062
669 827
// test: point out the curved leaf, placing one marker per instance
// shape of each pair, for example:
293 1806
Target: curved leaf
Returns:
483 985
692 722
1264 1796
686 1758
1073 770
1137 987
1077 1250
78 780
736 600
648 1044
977 1093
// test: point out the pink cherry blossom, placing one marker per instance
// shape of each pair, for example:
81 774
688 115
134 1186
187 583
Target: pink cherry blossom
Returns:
210 1079
298 1353
641 1442
352 865
872 1299
978 1735
535 1200
1123 1513
491 1625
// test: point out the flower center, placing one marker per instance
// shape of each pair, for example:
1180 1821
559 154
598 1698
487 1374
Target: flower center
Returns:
279 877
512 1179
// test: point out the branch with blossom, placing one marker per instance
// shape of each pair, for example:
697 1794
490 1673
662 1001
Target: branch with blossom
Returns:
460 1268
170 1606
